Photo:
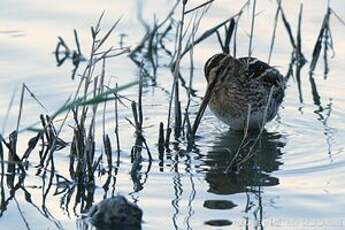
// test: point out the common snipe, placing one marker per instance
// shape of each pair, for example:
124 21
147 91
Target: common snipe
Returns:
236 86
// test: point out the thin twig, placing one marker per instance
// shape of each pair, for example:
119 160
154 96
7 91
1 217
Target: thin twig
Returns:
252 30
198 7
274 33
245 135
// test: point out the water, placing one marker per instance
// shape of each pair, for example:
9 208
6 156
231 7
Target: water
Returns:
294 181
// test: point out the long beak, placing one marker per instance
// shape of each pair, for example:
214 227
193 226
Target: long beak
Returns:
203 107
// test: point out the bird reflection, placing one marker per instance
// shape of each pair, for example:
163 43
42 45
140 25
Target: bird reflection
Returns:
249 178
255 172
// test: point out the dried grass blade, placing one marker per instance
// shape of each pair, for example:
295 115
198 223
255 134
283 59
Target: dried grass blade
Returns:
34 97
338 17
198 7
108 34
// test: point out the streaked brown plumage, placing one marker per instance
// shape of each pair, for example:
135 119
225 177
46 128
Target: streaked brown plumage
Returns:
236 86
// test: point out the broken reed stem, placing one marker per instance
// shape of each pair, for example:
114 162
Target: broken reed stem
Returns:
161 138
141 115
20 107
318 45
21 104
106 140
77 42
137 107
101 90
234 47
108 152
314 91
287 25
326 45
34 97
274 33
299 83
191 74
136 149
117 134
252 31
229 32
2 164
140 100
178 113
176 72
176 69
300 57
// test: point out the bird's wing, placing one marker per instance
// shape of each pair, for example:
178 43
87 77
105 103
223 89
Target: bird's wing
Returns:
262 71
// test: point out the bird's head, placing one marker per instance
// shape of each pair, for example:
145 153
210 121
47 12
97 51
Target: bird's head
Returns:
219 68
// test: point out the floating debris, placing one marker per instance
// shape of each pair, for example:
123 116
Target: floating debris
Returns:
115 213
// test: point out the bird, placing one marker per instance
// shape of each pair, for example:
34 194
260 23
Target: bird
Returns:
244 93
